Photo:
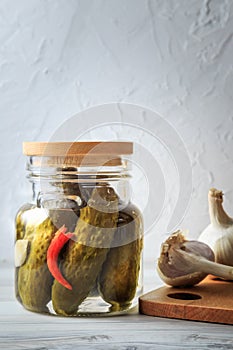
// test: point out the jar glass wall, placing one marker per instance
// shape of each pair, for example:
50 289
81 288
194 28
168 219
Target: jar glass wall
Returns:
78 248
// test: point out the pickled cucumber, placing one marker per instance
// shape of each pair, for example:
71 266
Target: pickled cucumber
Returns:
84 257
33 277
118 279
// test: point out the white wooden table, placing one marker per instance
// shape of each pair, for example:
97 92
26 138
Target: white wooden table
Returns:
22 330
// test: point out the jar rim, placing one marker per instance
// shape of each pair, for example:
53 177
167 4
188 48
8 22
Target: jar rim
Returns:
93 148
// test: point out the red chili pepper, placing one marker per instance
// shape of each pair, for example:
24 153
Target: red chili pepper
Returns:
57 243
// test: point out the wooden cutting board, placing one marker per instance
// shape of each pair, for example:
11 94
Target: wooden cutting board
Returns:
209 301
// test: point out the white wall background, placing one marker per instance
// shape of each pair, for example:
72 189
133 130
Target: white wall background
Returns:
58 57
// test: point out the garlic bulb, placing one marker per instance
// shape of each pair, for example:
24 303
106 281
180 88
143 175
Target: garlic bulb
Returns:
186 263
219 234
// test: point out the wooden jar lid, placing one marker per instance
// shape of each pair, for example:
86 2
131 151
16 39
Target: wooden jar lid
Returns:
76 148
79 153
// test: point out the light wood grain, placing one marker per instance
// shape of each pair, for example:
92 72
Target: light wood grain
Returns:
23 330
82 154
209 301
76 148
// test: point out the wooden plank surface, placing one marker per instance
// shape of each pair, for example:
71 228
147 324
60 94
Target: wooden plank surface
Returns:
209 301
23 330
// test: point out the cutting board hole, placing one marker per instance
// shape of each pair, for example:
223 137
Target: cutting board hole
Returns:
184 296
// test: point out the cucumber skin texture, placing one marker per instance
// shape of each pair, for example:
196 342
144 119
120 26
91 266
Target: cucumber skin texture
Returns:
83 258
118 279
34 280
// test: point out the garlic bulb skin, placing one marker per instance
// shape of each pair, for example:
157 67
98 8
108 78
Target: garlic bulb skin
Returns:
219 234
176 271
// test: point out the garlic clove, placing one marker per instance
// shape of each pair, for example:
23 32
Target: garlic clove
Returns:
185 263
178 270
182 281
21 250
219 233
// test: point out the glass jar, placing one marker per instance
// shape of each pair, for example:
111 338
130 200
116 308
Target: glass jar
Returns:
78 248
